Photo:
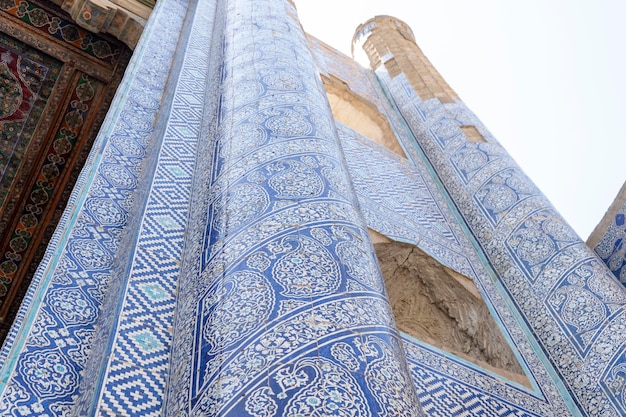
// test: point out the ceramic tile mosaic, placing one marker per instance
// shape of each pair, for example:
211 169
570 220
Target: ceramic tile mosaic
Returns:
279 237
562 290
400 179
48 346
398 202
362 81
133 351
214 258
449 386
396 176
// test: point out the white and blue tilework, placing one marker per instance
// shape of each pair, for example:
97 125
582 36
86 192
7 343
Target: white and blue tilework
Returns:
563 292
48 348
397 201
214 258
410 183
284 313
449 386
133 348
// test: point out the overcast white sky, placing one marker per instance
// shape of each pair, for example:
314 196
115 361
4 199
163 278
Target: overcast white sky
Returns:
547 77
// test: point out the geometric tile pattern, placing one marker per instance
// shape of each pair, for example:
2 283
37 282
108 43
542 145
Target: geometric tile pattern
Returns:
362 81
439 388
409 186
398 201
285 312
135 361
448 386
554 287
57 319
375 172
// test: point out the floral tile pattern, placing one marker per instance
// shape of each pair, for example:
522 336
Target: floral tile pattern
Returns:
284 313
49 345
556 283
214 258
410 184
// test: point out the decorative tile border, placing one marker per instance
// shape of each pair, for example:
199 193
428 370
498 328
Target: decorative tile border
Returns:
49 344
282 241
449 386
532 279
132 350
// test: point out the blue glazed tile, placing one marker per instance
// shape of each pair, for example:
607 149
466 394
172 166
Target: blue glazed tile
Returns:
496 202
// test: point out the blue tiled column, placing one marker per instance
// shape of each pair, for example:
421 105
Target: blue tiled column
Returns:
43 362
281 307
563 291
127 367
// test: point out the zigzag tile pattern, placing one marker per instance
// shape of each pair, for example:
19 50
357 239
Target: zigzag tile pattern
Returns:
397 201
143 337
448 386
63 304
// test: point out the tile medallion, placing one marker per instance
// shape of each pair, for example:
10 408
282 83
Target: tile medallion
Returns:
282 241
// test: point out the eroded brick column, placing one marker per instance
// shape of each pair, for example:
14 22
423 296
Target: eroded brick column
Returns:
389 42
